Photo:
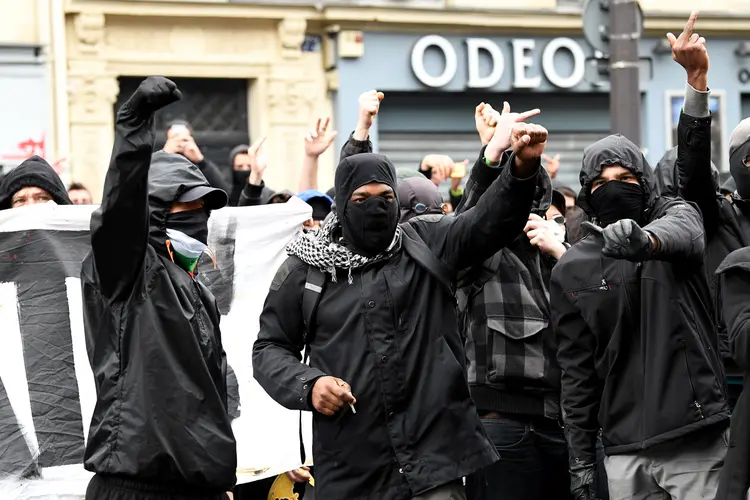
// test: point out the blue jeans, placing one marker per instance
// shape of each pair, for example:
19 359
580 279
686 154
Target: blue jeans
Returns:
533 462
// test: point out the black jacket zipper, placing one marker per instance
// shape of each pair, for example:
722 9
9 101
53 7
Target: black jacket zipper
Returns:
697 405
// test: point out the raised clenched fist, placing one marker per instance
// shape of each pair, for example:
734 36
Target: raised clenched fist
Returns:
154 93
528 141
369 105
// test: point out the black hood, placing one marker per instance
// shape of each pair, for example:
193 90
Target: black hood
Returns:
543 195
34 172
614 150
358 170
418 189
267 195
169 177
666 178
242 149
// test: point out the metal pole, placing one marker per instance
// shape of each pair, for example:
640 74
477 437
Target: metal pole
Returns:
625 95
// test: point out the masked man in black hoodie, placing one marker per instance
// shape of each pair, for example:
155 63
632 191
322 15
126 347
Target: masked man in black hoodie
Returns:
33 181
160 428
637 344
385 338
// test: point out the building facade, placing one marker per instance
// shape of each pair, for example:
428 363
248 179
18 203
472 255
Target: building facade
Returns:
433 82
271 67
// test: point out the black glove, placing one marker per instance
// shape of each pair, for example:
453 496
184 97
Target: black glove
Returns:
582 482
625 239
152 94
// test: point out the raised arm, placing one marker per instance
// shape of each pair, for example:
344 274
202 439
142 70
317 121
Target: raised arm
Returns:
678 230
359 140
500 214
494 131
119 228
316 143
277 352
696 182
580 394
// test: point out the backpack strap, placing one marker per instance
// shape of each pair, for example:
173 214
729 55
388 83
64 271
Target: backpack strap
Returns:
314 286
419 251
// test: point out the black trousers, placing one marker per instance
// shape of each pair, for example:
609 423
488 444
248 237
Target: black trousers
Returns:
116 488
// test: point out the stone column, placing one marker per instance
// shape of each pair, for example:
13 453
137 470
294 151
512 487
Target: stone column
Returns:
296 94
92 92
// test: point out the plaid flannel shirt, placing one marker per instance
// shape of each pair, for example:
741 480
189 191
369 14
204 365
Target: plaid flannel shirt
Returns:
510 345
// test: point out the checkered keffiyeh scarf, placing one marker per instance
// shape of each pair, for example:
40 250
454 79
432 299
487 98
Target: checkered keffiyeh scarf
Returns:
318 249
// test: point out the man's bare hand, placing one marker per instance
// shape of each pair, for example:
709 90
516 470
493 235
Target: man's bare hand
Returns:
369 106
301 475
485 121
441 167
319 139
504 123
330 394
552 165
528 142
541 235
191 151
258 162
689 51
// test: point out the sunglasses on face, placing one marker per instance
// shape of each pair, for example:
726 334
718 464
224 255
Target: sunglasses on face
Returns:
421 209
559 219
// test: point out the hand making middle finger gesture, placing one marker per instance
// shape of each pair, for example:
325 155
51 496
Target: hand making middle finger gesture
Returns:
504 123
689 49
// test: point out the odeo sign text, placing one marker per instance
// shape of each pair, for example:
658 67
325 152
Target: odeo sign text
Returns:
524 51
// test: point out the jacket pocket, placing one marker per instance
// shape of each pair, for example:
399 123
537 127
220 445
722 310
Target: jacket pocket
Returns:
515 348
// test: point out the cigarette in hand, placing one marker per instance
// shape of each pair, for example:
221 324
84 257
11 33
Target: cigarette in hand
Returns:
352 407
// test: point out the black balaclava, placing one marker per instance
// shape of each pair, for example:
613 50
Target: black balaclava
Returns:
239 177
740 172
617 200
368 227
193 223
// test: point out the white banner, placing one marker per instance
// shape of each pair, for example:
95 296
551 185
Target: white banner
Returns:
47 392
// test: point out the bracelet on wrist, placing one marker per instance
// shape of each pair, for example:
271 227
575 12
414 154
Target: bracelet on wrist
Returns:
490 163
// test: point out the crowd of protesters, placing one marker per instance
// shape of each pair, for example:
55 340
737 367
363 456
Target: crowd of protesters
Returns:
519 340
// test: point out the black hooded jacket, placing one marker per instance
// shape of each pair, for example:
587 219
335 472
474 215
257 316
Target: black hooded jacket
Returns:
34 172
152 331
637 343
393 335
733 294
726 222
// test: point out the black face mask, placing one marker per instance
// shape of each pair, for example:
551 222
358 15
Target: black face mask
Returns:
240 177
369 226
740 172
193 223
617 200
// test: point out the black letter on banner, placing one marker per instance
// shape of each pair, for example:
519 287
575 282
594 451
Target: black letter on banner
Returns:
15 456
38 261
221 283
